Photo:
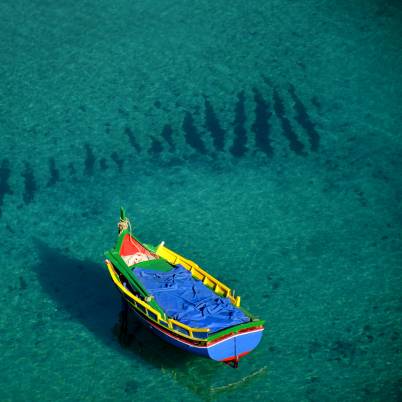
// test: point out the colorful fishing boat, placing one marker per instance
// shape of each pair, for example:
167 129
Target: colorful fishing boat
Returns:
179 301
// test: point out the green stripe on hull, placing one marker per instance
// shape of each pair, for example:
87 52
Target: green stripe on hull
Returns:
235 329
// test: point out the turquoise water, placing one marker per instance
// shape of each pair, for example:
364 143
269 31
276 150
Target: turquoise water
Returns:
262 141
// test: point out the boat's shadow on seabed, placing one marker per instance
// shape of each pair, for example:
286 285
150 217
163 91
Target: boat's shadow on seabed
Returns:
84 290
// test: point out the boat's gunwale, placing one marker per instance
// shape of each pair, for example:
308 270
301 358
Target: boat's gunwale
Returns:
117 263
169 321
197 272
204 343
130 297
198 342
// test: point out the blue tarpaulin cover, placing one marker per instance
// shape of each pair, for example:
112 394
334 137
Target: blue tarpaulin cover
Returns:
188 300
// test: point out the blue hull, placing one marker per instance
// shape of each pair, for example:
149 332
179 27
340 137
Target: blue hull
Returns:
228 348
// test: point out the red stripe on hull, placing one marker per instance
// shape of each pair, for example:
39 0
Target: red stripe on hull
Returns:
234 358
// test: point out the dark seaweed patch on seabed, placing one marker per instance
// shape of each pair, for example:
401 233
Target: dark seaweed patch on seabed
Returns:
71 169
30 186
117 160
239 147
167 135
131 137
5 173
156 147
294 143
191 134
304 120
316 102
23 283
103 164
108 128
54 173
89 160
213 125
261 126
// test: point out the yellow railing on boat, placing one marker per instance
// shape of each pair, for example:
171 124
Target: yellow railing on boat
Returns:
154 315
207 279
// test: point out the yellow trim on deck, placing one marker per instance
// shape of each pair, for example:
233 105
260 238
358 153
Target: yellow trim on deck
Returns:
207 279
146 309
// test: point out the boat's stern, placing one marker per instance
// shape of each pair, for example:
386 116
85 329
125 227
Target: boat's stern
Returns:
233 346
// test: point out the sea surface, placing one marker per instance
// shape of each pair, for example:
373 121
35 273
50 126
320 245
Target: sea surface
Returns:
261 139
